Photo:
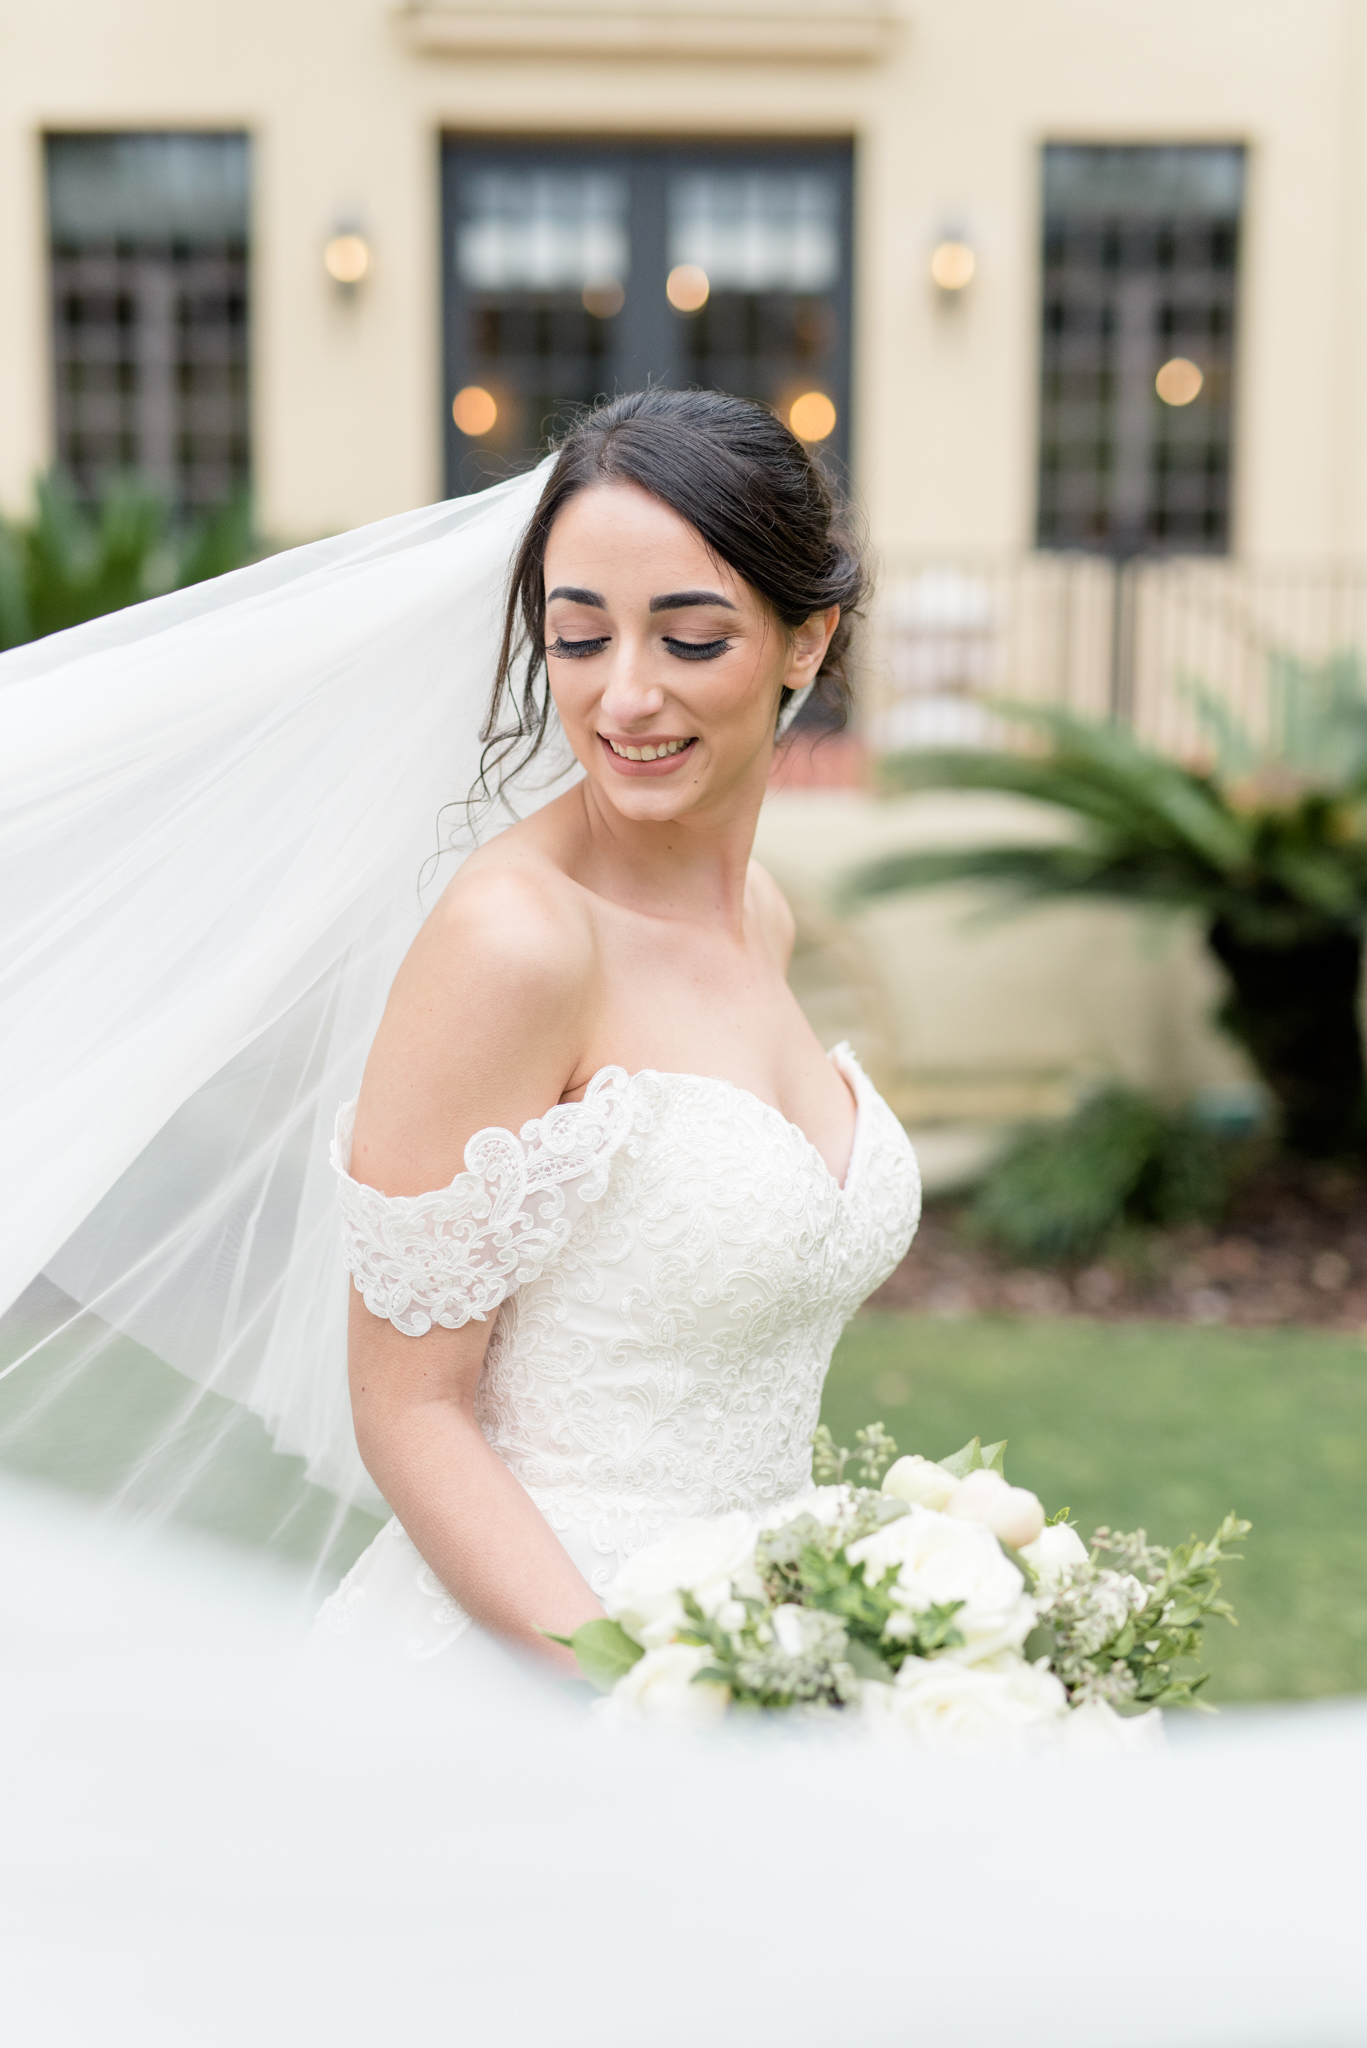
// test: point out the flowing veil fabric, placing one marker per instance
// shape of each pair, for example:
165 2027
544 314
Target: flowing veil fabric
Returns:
219 814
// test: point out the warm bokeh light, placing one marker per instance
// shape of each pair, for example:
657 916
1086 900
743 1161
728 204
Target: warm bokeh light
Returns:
346 259
812 417
952 265
603 297
687 287
474 410
1178 382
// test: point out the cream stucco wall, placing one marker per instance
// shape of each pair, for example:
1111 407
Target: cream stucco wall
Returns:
346 115
970 1015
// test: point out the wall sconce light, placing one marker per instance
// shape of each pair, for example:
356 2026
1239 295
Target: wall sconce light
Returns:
346 259
1179 381
952 264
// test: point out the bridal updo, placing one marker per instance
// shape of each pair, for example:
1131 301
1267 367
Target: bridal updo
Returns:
734 471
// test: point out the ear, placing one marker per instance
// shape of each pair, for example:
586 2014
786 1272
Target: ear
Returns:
809 645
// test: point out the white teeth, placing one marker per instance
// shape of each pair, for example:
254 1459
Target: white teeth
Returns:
649 753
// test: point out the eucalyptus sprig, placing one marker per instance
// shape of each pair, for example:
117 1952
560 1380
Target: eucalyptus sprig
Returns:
1118 1635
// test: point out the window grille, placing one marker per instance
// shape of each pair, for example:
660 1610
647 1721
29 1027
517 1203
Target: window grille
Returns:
148 236
1141 254
557 268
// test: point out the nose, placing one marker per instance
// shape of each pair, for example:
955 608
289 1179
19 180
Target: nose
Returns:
630 697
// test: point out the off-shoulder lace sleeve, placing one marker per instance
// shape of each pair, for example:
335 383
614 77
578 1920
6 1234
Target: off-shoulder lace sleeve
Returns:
453 1255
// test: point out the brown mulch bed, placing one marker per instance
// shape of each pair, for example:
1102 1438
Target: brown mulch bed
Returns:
1293 1249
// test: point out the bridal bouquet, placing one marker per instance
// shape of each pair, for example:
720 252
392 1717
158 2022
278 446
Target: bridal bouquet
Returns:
939 1610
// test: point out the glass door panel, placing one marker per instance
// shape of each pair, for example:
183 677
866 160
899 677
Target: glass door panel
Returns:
574 272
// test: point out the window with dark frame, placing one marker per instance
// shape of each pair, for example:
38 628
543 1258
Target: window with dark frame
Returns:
1140 300
149 251
577 271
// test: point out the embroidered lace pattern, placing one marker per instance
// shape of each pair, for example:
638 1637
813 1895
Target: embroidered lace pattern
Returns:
674 1262
453 1255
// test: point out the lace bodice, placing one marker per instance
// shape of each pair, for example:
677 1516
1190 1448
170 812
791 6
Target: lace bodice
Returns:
671 1262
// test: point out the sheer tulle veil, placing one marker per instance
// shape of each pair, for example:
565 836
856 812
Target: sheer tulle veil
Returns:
219 820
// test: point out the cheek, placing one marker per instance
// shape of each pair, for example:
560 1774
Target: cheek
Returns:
572 691
748 694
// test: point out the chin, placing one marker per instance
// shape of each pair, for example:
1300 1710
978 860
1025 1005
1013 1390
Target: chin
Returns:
641 800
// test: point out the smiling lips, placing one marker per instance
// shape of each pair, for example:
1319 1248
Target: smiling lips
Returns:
658 754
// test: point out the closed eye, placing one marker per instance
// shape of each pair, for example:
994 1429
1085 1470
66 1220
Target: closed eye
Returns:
696 650
575 650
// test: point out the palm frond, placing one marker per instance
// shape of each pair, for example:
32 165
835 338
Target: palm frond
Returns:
1101 775
1237 752
1035 874
1318 714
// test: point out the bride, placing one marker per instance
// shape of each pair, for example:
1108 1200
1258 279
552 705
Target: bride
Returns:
606 1203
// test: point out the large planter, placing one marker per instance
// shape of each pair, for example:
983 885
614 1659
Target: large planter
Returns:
1296 1010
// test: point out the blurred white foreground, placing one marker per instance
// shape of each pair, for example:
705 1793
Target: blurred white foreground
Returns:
207 1843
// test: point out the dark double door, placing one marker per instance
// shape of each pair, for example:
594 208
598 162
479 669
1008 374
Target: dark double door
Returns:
575 271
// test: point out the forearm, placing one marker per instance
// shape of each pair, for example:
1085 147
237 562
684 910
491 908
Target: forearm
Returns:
477 1528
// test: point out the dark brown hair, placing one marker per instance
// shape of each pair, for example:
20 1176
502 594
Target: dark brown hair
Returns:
749 488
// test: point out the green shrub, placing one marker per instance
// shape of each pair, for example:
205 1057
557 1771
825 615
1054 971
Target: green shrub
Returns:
1264 839
1059 1190
67 564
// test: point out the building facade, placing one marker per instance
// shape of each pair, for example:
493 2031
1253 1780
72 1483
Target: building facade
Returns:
1066 273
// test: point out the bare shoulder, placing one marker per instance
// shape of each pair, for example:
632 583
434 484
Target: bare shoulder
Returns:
519 922
772 913
483 1024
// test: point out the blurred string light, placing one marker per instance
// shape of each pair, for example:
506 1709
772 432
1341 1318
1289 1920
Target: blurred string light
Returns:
812 417
474 410
603 297
346 258
952 264
687 287
1179 381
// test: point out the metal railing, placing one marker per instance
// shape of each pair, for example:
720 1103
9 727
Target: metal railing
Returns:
1108 639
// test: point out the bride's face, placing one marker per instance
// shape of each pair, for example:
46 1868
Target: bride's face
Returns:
666 667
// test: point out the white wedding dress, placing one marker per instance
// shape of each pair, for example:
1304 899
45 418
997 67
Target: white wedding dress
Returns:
670 1263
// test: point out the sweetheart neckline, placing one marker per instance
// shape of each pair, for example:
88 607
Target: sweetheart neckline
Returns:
841 1055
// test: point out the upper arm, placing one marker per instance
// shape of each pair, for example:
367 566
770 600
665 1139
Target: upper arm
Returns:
482 1028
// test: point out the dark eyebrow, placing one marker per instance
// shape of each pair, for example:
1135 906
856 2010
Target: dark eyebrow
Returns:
575 596
679 600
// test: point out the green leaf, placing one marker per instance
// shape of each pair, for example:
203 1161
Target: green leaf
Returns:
976 1457
865 1662
605 1652
710 1675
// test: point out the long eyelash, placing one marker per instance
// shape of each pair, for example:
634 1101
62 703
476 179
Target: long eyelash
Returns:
574 650
696 650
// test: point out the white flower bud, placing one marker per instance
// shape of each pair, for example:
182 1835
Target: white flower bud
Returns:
1012 1513
919 1481
1053 1550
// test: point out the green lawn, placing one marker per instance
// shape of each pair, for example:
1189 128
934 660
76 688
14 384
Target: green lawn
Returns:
1162 1427
1137 1424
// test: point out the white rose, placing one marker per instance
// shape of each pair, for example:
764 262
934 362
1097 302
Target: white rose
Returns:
1053 1550
1012 1513
939 1560
659 1687
701 1558
1096 1732
953 1709
916 1479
